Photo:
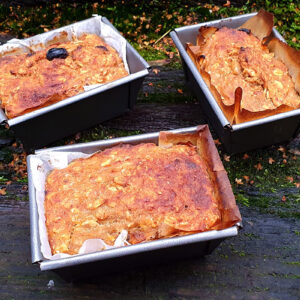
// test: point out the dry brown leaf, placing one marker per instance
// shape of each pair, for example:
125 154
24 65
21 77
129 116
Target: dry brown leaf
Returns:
217 142
297 184
283 199
226 157
258 167
227 4
180 91
246 156
271 160
156 71
289 178
150 84
246 178
284 161
281 149
3 191
239 181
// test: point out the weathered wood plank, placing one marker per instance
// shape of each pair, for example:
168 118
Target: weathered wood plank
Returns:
261 263
150 117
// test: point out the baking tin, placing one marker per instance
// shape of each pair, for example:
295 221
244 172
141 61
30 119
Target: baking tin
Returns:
123 258
45 125
241 137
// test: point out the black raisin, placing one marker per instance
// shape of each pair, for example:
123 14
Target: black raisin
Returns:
102 47
57 53
248 31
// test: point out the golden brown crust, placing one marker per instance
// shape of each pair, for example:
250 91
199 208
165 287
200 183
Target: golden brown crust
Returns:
31 81
207 150
151 191
236 60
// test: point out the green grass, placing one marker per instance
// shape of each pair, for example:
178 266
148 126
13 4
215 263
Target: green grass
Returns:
144 22
266 187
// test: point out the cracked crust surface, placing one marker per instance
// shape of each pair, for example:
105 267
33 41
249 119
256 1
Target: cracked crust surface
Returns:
230 59
151 191
31 81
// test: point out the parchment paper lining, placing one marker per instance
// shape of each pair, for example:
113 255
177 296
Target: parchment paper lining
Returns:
93 25
41 165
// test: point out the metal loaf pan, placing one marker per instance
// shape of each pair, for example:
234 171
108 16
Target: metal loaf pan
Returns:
240 137
122 258
45 125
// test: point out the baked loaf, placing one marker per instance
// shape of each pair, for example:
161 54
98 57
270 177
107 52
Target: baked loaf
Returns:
246 78
151 191
38 79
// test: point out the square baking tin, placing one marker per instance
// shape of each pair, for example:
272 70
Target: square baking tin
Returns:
241 137
122 258
45 125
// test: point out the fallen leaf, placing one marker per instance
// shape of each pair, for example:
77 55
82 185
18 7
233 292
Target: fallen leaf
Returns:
226 157
9 182
246 178
283 199
258 166
246 156
252 182
290 179
284 155
180 91
217 142
281 149
150 84
297 184
284 161
239 181
171 54
227 4
271 160
156 71
3 191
